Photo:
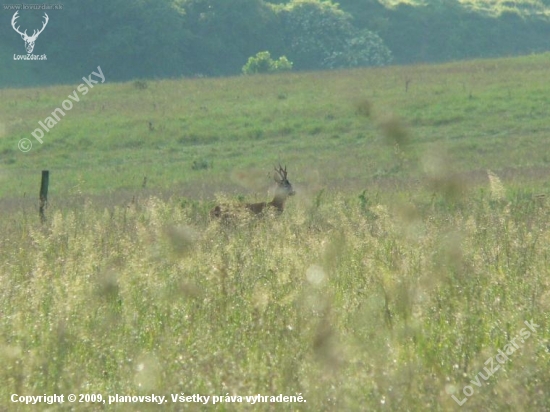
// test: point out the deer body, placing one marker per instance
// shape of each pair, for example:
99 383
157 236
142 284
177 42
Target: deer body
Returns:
283 191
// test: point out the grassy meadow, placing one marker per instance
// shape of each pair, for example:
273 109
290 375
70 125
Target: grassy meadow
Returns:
414 251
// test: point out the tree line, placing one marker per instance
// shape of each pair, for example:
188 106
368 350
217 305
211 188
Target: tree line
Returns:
174 38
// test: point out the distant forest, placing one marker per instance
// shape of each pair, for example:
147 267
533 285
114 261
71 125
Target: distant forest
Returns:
151 39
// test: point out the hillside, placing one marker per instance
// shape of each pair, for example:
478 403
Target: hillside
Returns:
479 114
410 271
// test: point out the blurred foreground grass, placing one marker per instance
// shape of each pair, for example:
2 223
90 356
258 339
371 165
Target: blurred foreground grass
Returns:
354 301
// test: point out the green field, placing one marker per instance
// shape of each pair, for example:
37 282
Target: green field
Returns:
415 249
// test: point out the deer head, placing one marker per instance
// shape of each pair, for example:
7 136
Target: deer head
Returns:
29 40
284 188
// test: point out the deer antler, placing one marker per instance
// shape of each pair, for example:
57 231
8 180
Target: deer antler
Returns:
281 172
13 21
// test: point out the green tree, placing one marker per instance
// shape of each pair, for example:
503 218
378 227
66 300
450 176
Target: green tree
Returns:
226 32
365 49
320 35
127 39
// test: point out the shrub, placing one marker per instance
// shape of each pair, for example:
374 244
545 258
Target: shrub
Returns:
263 63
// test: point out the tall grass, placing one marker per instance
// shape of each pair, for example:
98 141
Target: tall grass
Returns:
357 303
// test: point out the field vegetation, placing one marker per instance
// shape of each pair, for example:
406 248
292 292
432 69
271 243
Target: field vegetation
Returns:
415 249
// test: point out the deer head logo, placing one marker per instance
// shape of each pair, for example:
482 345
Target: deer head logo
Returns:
29 40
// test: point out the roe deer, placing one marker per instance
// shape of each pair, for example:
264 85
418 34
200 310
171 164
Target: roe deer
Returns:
282 192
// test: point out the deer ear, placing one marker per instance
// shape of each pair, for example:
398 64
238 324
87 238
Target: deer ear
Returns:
23 36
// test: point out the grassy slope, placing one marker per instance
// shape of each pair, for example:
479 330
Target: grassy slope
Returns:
386 299
488 114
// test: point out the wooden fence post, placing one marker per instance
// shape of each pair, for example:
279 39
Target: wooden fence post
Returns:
44 194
